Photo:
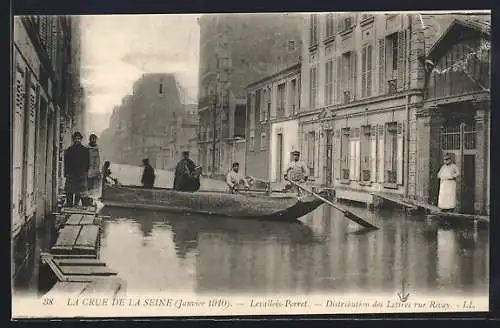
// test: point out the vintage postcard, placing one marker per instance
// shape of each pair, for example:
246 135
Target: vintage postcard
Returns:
250 164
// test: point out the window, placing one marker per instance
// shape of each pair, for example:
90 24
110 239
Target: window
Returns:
281 100
293 96
263 107
161 88
252 111
311 152
313 88
251 145
368 153
263 141
313 30
355 154
258 100
366 72
329 82
291 45
348 76
268 107
330 30
392 61
344 154
393 147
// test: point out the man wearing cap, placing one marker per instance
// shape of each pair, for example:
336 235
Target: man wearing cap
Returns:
234 178
76 166
148 175
296 171
448 185
186 174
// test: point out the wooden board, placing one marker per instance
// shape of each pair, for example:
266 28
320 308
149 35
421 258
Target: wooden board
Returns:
74 219
87 219
67 236
86 270
67 289
471 217
110 286
88 237
80 262
395 199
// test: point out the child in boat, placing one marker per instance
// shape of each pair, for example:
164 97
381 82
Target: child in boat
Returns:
234 178
106 174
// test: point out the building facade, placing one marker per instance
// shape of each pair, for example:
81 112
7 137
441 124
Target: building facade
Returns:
234 51
365 118
272 130
362 84
455 117
151 123
47 108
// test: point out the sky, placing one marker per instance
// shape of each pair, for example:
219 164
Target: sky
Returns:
118 49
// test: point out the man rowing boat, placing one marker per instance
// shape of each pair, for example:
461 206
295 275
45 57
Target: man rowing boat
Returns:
296 172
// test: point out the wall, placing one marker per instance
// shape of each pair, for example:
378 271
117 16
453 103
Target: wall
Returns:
290 131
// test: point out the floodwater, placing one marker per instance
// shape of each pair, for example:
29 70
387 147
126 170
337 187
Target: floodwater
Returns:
322 253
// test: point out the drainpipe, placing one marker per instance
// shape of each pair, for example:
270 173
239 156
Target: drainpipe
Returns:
407 132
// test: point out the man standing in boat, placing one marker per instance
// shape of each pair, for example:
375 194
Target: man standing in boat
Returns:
76 167
148 175
234 178
296 171
448 185
187 174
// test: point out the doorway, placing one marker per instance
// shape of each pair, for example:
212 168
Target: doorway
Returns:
329 158
458 138
279 156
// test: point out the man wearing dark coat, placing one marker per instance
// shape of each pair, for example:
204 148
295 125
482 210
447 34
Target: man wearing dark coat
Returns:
148 175
186 174
76 166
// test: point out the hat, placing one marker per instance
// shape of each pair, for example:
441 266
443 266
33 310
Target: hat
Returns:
185 152
447 156
295 152
77 134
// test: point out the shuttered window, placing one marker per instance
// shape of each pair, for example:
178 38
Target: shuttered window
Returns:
336 155
338 81
30 151
330 27
366 71
263 141
313 37
373 153
401 53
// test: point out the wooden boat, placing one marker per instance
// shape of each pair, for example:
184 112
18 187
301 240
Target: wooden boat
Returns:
252 205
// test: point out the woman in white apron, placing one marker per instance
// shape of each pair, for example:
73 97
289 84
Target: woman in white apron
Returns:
448 185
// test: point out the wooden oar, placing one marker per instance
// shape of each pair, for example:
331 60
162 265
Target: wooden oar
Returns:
351 216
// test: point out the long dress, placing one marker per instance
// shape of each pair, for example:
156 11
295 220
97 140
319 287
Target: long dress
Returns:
94 174
448 187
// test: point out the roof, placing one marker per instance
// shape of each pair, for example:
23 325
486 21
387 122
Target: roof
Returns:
437 28
269 78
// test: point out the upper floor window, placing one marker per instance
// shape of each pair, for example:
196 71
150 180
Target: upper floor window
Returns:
330 30
313 88
313 30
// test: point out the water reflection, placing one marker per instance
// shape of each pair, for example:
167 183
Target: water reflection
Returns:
324 253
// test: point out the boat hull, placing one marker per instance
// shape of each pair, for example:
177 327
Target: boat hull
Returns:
277 206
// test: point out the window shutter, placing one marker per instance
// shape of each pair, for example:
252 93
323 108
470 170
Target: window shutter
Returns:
18 147
381 66
401 59
336 155
334 82
310 150
338 91
381 152
354 75
373 155
369 71
399 154
363 72
30 151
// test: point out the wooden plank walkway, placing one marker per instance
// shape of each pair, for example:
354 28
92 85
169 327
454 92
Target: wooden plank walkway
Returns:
396 199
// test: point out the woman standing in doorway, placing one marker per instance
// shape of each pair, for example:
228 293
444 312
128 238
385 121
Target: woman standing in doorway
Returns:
448 185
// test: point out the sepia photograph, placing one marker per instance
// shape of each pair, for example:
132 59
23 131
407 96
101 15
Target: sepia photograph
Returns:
250 164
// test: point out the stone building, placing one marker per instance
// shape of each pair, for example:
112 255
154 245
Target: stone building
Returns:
234 51
151 123
455 117
363 126
47 108
272 123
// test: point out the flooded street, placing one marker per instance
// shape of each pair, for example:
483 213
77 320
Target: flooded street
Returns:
324 252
